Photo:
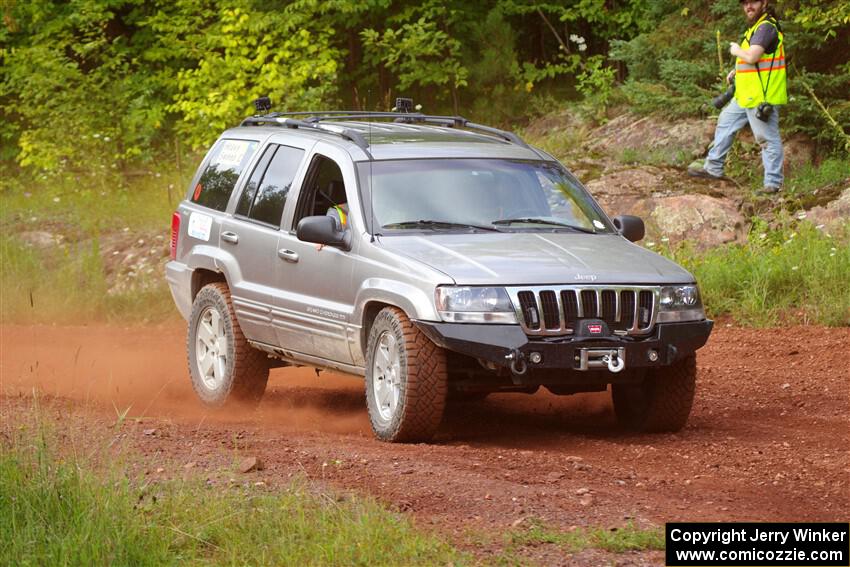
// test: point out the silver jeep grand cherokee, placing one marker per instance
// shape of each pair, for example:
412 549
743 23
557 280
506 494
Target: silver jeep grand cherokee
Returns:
436 257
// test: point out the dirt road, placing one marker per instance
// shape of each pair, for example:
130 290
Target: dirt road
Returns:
768 439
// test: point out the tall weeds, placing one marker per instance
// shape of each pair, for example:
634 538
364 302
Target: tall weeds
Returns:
796 274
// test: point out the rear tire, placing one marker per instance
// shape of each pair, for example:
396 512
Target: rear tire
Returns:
224 367
662 402
406 379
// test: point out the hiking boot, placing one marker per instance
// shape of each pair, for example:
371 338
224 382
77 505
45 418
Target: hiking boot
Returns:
696 169
768 190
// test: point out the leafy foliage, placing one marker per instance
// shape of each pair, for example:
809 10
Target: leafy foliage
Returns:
421 51
98 86
240 54
672 67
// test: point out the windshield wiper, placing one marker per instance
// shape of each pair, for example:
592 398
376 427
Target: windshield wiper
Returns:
439 224
534 220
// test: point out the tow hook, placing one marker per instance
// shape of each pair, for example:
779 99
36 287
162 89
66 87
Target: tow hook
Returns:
612 358
517 361
614 362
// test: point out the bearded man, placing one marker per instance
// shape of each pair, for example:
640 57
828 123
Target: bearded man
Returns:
760 88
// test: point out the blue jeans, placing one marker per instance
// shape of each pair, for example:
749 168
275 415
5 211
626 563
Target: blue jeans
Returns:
732 118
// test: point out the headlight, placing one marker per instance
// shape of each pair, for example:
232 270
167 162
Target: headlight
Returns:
474 305
680 303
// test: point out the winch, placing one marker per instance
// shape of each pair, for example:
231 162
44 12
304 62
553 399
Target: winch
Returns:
612 358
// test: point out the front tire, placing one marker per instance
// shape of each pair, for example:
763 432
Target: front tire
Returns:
661 402
406 379
224 367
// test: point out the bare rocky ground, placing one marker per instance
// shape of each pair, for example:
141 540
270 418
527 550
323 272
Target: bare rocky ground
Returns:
638 166
768 439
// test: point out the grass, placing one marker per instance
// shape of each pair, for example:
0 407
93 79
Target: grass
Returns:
69 284
62 281
794 274
616 540
810 183
659 157
55 509
88 206
627 538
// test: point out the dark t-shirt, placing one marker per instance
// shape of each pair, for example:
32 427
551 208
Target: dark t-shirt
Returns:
766 36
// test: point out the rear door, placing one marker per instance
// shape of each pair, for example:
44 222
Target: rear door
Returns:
251 236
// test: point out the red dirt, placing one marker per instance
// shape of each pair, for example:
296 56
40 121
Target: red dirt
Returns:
767 440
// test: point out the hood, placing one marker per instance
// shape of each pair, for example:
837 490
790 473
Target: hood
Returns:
532 258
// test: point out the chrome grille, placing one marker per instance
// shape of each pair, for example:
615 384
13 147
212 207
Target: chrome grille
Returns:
551 310
528 309
556 310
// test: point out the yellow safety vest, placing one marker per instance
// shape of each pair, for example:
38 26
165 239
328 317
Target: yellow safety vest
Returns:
766 80
343 218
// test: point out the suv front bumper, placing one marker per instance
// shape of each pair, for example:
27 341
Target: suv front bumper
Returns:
502 344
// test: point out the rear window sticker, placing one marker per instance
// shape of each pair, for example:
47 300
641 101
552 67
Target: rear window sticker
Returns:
232 152
199 226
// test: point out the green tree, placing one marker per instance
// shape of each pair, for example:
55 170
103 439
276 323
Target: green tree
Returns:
238 53
421 50
74 92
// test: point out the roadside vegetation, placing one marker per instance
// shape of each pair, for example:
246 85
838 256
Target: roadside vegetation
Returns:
616 540
59 508
54 262
792 275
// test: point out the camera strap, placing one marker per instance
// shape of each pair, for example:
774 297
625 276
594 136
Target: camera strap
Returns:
764 87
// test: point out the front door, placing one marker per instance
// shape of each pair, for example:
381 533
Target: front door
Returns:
314 311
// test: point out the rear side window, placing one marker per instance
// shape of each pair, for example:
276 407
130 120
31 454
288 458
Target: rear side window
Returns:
246 199
228 159
265 194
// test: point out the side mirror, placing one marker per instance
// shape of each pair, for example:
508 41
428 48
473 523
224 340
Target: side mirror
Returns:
631 227
322 229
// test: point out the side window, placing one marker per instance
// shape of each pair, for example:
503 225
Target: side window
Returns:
324 189
250 191
271 196
217 181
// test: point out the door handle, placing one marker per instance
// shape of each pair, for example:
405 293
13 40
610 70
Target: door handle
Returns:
231 237
288 255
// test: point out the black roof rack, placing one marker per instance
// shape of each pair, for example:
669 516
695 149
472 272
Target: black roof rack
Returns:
313 119
278 119
410 117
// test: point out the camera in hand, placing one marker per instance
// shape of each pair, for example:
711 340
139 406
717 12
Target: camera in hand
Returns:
764 111
722 100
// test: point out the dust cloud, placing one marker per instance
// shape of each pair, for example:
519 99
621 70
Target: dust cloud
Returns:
144 368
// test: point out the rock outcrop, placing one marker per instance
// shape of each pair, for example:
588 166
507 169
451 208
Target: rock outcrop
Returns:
637 165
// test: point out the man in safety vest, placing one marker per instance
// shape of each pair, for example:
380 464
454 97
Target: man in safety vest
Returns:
760 87
340 213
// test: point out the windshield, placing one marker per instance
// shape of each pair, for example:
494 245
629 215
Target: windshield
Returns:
478 194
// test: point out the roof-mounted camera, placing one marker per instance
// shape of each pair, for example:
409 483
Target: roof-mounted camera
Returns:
263 105
404 105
